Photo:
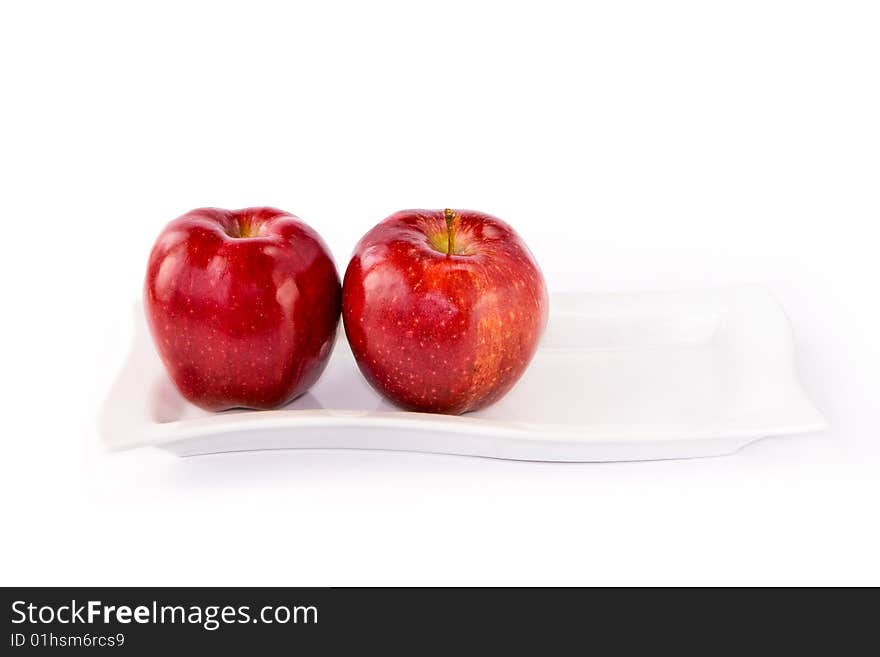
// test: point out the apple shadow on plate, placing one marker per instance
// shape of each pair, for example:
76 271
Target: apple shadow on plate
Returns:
170 406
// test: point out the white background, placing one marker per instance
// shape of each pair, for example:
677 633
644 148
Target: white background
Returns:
633 145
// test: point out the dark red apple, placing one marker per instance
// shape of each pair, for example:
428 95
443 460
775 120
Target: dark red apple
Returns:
443 309
243 306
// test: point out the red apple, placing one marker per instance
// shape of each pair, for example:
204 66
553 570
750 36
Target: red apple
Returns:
443 309
243 306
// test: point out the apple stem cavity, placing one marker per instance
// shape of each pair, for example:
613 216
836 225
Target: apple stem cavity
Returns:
450 231
244 228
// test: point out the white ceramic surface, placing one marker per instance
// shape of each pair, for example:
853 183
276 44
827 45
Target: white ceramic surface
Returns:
617 377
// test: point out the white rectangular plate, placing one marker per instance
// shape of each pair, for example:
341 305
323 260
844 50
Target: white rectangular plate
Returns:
617 377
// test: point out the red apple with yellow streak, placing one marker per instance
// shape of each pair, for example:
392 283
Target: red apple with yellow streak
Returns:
443 309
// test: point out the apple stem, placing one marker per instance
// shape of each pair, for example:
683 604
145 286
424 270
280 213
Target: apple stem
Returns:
450 231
